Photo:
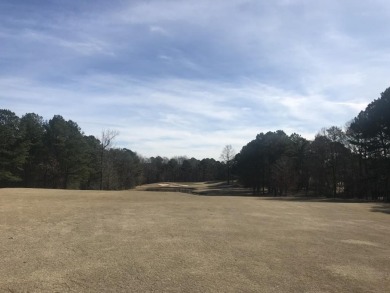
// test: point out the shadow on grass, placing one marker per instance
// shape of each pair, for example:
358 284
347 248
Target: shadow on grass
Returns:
378 207
225 192
318 199
218 188
381 208
217 191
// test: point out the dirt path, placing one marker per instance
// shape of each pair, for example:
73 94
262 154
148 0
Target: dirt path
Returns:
138 241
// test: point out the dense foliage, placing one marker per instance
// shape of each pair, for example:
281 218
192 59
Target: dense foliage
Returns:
57 154
337 163
354 163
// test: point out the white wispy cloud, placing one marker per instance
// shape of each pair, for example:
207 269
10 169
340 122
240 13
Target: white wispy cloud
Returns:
186 112
187 77
158 30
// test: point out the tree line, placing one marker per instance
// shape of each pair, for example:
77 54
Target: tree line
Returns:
350 162
57 154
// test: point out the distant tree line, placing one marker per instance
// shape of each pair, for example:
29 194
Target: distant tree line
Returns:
354 162
182 169
57 154
350 164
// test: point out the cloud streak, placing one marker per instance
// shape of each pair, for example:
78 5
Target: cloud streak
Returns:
188 77
187 112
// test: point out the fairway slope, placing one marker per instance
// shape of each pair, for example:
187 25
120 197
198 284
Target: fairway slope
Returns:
140 241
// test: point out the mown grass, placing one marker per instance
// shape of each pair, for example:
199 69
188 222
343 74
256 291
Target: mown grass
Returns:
140 241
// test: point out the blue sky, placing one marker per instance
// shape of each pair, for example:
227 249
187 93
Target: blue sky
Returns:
189 77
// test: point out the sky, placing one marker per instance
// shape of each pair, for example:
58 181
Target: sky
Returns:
186 78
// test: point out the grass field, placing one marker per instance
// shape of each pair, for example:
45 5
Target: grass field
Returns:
142 241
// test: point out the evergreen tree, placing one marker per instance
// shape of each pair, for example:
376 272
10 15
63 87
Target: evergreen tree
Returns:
13 149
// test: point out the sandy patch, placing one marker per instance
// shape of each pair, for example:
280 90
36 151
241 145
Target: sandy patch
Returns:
360 242
357 272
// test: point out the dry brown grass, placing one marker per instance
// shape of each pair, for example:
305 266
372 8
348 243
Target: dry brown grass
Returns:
139 241
200 188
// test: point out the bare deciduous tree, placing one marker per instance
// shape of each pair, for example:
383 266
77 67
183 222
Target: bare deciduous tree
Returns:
107 139
227 156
